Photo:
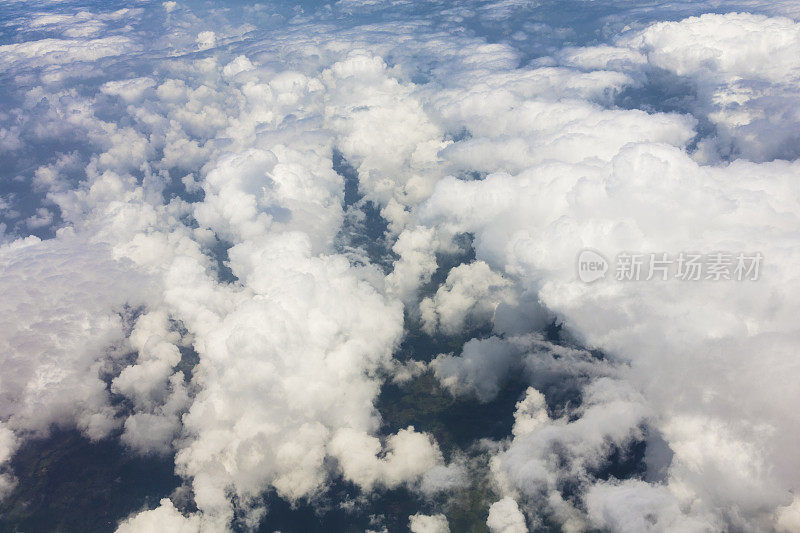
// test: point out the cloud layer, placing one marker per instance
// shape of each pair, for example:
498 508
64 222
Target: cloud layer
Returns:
183 266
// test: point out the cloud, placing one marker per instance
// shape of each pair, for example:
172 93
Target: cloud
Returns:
61 51
789 516
633 505
129 90
60 331
164 518
298 313
188 186
408 456
420 523
9 443
505 517
481 367
647 193
206 39
471 292
746 77
547 452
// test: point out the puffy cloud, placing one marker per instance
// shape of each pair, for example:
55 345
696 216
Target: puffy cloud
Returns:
416 248
59 330
444 478
789 516
537 131
384 131
129 90
42 218
193 164
206 39
633 505
164 518
642 194
157 354
159 396
481 367
237 66
420 523
547 452
408 455
8 445
530 413
505 517
298 314
258 360
82 24
592 58
746 77
61 51
768 52
630 328
471 292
